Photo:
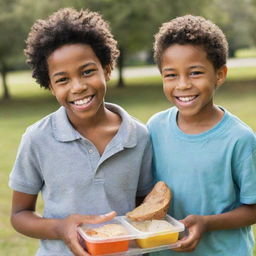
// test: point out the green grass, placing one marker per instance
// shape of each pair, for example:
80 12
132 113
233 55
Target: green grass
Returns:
246 53
241 74
142 98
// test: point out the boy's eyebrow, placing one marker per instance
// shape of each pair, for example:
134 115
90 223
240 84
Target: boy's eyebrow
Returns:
191 67
197 66
59 74
87 64
81 67
168 69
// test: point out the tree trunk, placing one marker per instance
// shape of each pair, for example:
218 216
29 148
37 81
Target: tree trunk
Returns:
6 94
120 83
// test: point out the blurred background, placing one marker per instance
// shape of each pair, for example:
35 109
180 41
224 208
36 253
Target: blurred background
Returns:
135 83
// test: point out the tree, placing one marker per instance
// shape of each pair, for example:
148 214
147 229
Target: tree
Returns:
8 43
135 22
252 24
131 23
235 18
16 18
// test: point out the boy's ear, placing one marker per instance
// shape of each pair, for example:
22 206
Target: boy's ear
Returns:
107 72
221 75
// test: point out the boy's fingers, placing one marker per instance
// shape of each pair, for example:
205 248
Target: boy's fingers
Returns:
187 222
186 247
99 218
106 217
78 250
187 244
109 215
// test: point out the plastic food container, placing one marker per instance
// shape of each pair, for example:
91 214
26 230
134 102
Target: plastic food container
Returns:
164 236
101 245
134 242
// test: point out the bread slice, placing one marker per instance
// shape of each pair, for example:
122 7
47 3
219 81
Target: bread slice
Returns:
155 204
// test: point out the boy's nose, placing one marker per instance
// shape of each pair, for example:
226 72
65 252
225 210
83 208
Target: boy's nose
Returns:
78 86
183 84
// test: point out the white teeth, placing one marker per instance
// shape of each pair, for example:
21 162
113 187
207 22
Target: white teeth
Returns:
186 99
83 101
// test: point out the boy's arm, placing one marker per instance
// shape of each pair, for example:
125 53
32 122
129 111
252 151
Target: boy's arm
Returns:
244 215
26 221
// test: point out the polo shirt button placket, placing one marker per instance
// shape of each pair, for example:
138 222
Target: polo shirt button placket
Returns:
90 150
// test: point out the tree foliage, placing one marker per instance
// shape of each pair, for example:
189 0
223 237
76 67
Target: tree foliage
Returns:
16 18
133 23
234 17
11 35
252 23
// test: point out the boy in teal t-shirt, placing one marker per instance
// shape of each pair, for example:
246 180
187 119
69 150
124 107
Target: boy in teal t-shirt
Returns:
205 154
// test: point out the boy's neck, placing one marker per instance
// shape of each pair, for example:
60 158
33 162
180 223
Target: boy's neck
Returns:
200 123
100 129
91 122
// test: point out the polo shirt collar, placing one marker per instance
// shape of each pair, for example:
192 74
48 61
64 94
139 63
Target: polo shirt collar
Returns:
64 131
127 131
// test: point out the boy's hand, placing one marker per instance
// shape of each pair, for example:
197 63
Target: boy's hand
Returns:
67 229
196 226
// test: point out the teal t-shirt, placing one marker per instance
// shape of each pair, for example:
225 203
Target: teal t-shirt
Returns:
208 173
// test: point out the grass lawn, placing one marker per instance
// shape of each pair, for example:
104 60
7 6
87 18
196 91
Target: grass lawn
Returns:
141 98
246 53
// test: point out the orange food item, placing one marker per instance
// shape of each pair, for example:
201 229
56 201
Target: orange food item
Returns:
107 247
107 231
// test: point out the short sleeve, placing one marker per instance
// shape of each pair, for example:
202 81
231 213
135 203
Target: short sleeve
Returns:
245 171
26 176
145 180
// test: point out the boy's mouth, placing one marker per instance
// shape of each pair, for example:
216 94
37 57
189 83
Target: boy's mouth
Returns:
186 98
83 101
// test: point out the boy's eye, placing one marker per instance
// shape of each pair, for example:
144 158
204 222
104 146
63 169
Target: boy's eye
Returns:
170 75
61 80
196 73
88 72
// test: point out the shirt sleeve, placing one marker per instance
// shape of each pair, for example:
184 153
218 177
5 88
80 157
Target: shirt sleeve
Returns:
146 181
26 175
245 171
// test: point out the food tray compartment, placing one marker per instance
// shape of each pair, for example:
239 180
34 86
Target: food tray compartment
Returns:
146 238
134 242
107 245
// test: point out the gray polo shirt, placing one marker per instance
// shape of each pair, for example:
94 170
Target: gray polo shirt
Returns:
73 178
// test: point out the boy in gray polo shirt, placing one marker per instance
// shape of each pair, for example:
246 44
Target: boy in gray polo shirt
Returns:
88 157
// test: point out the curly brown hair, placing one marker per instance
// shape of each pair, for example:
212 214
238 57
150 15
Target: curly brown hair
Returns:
194 30
68 26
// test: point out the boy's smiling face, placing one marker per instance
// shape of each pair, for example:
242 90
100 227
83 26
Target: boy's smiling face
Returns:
189 79
78 81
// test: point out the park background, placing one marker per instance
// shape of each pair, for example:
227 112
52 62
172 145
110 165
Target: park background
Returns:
135 84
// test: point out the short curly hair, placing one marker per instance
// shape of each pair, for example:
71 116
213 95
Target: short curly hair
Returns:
68 26
194 30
